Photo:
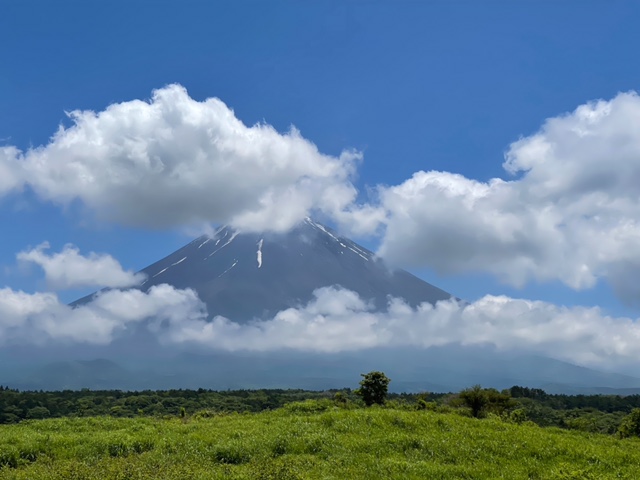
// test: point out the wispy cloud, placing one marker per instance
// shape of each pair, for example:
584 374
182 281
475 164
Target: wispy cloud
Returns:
69 269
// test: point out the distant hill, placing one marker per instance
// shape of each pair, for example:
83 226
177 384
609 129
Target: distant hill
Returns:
441 369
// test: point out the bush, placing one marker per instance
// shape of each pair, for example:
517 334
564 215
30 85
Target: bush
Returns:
340 399
518 416
483 400
422 404
630 426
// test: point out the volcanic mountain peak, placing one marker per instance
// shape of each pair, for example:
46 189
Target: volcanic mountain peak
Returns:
243 276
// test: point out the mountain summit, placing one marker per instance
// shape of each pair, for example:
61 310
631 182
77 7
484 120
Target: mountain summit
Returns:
243 276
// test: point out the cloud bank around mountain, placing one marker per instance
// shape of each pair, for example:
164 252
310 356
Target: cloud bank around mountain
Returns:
339 320
336 320
41 318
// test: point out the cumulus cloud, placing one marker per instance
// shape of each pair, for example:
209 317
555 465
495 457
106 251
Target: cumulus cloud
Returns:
571 214
41 317
336 320
69 269
569 211
339 320
174 161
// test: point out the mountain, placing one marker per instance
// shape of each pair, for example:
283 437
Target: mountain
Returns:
250 277
244 276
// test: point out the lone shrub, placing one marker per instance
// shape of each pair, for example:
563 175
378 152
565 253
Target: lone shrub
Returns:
483 400
373 388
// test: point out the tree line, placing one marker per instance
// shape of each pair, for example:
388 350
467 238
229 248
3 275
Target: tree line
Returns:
592 413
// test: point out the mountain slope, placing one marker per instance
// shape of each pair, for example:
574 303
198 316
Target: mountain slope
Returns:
245 276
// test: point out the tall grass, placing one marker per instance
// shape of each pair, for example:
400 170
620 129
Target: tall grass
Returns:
309 440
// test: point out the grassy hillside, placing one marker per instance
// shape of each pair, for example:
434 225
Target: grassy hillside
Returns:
309 440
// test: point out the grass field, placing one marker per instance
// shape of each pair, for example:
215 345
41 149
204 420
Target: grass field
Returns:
311 440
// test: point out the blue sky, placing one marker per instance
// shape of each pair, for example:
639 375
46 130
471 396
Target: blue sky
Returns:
412 86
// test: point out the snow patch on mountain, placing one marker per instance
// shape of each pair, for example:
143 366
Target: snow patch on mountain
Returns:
358 253
161 271
234 264
233 235
259 254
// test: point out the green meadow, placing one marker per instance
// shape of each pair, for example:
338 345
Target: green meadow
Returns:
310 440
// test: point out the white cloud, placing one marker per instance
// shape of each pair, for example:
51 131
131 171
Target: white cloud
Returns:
339 320
572 215
40 317
336 320
10 170
174 161
69 269
16 306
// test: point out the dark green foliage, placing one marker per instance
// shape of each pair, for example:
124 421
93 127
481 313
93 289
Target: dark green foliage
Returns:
16 406
9 459
475 399
588 413
484 400
518 416
630 426
340 398
373 388
36 413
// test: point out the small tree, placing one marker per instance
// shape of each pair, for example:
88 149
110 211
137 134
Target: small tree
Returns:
373 388
475 398
630 426
480 400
